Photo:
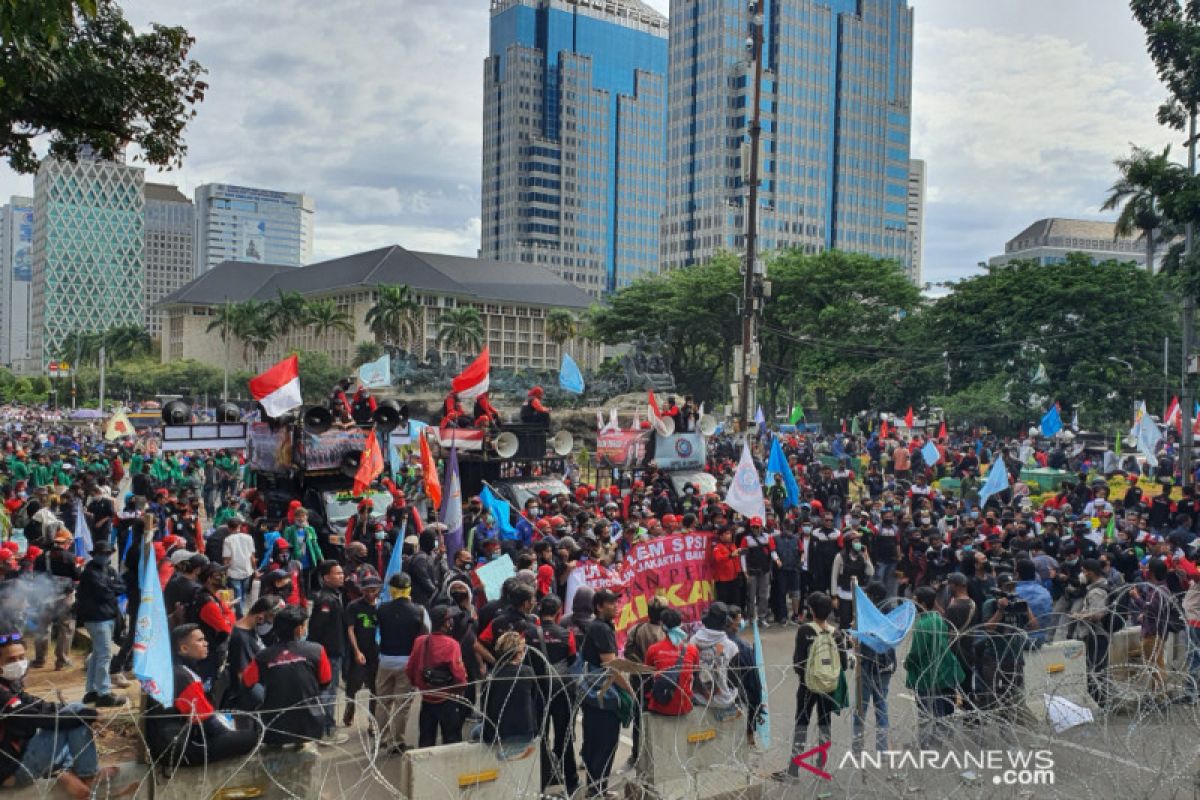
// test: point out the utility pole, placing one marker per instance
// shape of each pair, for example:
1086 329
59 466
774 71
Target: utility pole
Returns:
1189 318
752 285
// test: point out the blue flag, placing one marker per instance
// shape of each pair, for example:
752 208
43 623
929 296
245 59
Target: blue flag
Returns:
930 453
997 480
396 562
83 534
570 379
151 637
878 631
376 374
1052 421
762 726
777 465
500 510
452 515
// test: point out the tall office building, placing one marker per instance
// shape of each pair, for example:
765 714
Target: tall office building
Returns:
836 117
916 219
88 239
170 231
240 223
16 275
574 118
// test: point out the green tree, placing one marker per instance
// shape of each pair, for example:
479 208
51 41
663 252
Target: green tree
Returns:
365 352
561 326
318 374
126 341
1095 329
324 317
461 330
1144 175
395 318
251 322
289 312
78 73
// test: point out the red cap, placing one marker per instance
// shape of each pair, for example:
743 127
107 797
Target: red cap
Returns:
614 490
756 522
34 551
669 519
282 544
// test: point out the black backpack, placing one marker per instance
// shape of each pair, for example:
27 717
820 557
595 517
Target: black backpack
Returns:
666 683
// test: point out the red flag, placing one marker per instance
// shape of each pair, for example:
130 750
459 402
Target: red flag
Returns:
653 402
433 486
883 430
908 418
843 424
1172 416
369 465
942 430
475 379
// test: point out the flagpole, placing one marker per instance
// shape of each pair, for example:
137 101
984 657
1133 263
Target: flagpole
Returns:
858 688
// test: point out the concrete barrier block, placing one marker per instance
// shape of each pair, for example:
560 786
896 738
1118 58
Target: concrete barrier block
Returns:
471 771
1058 669
677 750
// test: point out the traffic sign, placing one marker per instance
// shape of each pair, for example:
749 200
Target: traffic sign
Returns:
52 367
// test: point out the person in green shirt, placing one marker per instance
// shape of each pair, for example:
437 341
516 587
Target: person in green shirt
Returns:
18 469
931 670
302 540
41 474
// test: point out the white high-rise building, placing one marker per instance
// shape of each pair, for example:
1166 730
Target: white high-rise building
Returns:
16 276
240 223
916 218
170 260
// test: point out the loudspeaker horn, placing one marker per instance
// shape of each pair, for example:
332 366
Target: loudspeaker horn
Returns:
562 443
664 426
350 463
317 419
177 412
707 424
229 412
506 444
389 415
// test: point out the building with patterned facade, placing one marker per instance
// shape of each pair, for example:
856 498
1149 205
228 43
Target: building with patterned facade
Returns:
573 138
242 223
513 301
170 227
88 262
836 119
16 278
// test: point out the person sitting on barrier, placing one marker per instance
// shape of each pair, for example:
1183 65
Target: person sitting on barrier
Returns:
533 412
192 732
436 670
713 687
674 662
484 413
292 673
509 711
453 414
39 738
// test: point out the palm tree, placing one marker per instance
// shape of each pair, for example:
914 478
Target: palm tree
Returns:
460 330
324 316
395 317
80 347
561 326
1139 192
256 327
366 352
126 341
289 312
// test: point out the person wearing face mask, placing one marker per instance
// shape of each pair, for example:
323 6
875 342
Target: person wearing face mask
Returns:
39 738
292 673
362 626
400 623
885 551
210 610
250 635
96 607
853 562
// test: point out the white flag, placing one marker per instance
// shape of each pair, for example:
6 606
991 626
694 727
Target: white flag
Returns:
614 424
745 494
1147 435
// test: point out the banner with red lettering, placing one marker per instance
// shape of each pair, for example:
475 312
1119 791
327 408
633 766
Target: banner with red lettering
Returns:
676 567
617 448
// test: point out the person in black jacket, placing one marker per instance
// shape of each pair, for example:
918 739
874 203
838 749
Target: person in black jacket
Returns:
245 642
37 737
292 673
327 628
558 764
192 732
422 568
509 715
96 607
401 621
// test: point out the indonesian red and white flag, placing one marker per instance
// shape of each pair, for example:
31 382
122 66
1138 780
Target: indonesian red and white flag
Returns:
1172 415
908 418
278 389
475 379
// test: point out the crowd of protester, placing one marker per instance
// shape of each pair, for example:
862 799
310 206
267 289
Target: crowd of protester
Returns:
278 622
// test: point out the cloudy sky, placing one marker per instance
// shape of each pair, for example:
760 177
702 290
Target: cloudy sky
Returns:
374 108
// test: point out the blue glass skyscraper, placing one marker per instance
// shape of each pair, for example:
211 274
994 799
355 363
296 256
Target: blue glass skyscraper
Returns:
836 120
574 123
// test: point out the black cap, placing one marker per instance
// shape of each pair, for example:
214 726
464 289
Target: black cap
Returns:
103 547
717 616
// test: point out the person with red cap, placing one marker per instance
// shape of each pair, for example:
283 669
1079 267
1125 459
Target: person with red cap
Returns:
758 553
485 414
533 412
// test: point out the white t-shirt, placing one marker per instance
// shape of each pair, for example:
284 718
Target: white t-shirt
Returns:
239 549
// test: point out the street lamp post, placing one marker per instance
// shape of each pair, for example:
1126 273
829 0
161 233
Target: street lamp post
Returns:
751 296
1188 320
